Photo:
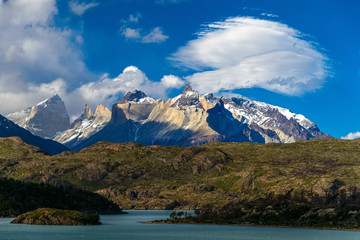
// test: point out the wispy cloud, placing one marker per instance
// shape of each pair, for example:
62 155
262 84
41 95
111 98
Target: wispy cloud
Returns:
130 31
155 36
245 52
269 15
134 18
79 8
351 136
169 1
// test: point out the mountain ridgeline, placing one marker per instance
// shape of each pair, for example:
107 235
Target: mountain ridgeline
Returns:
188 119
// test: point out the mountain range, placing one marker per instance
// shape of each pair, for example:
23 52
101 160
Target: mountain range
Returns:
185 120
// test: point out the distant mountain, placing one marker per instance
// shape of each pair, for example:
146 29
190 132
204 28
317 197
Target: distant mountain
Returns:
85 126
10 129
192 119
46 119
287 127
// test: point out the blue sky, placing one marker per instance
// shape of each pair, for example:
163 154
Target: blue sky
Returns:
301 55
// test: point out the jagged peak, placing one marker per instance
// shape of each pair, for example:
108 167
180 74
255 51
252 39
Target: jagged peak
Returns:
220 102
134 96
88 113
220 105
187 88
101 110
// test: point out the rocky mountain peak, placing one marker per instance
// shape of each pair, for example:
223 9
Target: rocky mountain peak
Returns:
187 89
46 119
220 107
88 113
101 110
134 96
188 98
220 103
54 100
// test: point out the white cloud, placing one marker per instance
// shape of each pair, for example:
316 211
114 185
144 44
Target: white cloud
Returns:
269 15
80 8
155 36
33 53
172 81
26 12
351 136
131 33
244 52
107 90
134 18
30 94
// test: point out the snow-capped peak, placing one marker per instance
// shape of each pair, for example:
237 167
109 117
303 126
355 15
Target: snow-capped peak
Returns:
188 98
136 97
54 100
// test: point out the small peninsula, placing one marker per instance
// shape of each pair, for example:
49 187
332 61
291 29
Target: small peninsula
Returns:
51 216
336 210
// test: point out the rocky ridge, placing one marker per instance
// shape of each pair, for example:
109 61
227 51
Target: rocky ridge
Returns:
85 126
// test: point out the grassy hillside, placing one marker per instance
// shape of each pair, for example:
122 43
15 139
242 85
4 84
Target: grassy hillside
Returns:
214 174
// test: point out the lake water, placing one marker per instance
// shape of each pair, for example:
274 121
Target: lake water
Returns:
123 227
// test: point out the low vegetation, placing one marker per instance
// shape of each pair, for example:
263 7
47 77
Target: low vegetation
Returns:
50 216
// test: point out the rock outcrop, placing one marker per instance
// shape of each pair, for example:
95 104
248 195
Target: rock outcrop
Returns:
85 126
46 119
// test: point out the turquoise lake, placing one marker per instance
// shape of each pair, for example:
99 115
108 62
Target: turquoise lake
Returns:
128 227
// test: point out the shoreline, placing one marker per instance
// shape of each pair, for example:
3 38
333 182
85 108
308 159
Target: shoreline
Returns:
252 225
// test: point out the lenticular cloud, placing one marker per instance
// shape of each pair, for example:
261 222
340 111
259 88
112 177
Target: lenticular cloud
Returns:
244 52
